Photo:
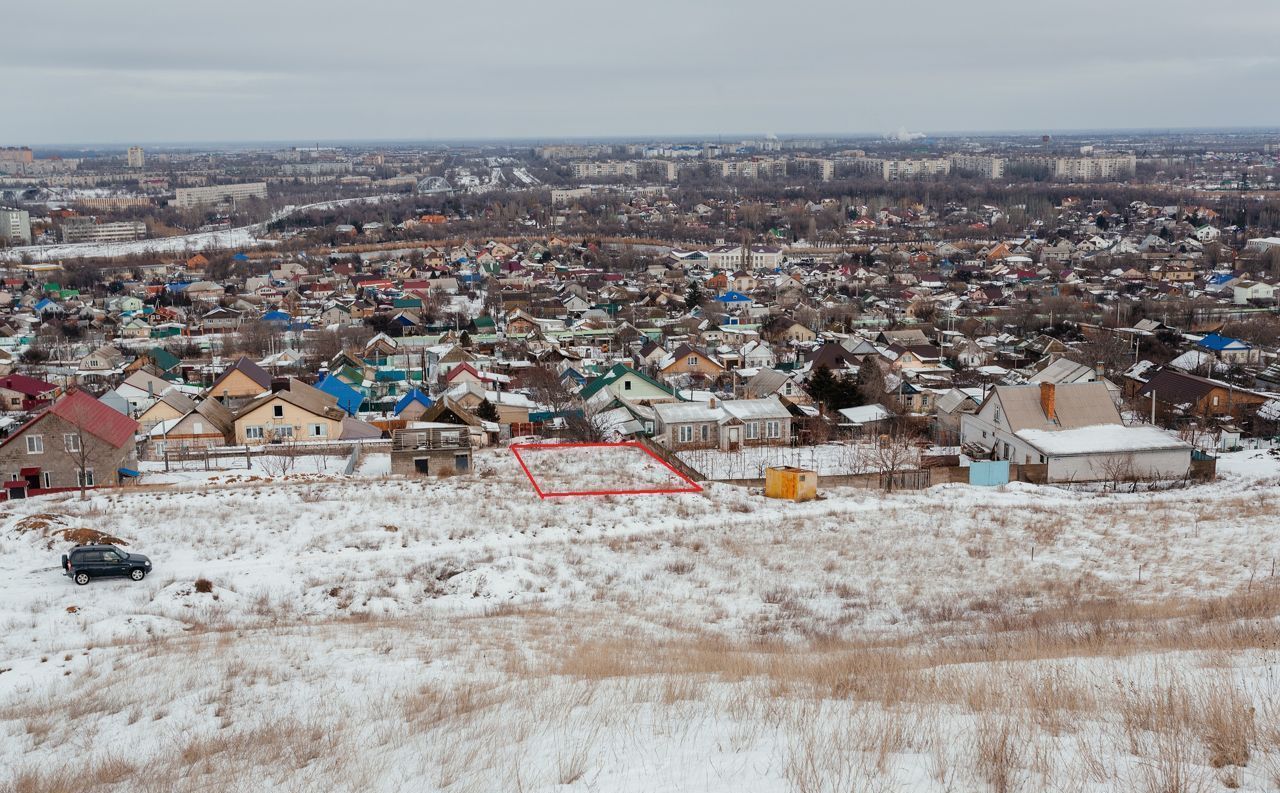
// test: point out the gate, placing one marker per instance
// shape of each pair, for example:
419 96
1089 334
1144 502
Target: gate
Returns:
989 473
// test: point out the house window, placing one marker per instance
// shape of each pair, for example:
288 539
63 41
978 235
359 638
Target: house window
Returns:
277 411
693 361
626 385
84 478
284 431
71 442
686 433
35 444
253 433
997 414
48 480
773 429
753 430
706 432
1006 451
318 431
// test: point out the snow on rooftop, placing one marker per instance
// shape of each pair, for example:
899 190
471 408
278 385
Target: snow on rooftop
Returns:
1102 439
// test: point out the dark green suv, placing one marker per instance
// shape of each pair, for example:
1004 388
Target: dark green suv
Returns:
99 561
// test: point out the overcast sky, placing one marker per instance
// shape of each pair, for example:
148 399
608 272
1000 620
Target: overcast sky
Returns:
127 71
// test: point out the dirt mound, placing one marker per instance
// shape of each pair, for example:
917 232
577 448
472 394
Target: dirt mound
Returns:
84 536
49 525
41 522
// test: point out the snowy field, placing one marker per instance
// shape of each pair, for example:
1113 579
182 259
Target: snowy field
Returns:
570 469
241 237
376 634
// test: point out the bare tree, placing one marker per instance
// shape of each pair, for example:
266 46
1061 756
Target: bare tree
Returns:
80 447
549 390
1117 469
894 452
279 457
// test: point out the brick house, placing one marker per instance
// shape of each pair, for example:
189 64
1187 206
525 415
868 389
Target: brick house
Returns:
77 438
20 393
240 382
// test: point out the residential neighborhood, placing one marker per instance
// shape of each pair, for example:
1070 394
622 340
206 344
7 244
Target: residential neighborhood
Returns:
698 397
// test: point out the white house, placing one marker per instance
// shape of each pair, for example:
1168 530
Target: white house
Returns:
1074 430
1245 292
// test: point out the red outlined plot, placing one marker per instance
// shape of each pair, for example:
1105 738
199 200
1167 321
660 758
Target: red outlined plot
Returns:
629 468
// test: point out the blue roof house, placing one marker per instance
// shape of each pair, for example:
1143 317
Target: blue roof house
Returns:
732 298
412 397
348 398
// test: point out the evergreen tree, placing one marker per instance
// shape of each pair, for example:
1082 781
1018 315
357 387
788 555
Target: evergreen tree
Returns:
832 391
821 384
486 411
693 297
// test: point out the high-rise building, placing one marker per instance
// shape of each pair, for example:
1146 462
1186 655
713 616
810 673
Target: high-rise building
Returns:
15 225
982 165
136 158
893 170
1085 169
20 154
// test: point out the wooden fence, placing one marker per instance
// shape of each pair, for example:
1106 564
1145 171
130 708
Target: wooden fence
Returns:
208 456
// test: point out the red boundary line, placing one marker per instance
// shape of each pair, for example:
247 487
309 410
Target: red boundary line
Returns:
693 487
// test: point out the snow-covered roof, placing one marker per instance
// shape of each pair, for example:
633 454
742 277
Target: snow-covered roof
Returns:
865 414
1101 439
750 409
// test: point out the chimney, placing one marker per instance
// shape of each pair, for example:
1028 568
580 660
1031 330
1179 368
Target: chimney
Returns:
1048 401
1098 370
711 403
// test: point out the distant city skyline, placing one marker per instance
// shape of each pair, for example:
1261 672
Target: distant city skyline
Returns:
133 72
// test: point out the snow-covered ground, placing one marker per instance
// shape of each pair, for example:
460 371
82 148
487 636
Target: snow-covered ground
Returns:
556 468
239 238
372 633
229 239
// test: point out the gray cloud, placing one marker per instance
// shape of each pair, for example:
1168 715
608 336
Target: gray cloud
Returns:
134 70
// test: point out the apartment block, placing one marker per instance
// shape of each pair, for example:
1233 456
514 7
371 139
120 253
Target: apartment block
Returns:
137 159
821 168
87 229
572 152
981 165
893 170
605 169
187 197
1086 169
754 168
20 154
15 225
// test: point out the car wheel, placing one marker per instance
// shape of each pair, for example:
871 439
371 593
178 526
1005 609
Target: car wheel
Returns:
137 573
82 578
